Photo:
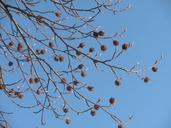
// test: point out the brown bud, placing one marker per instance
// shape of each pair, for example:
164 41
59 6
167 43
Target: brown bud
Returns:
78 53
101 33
38 51
38 91
91 49
69 88
146 79
19 46
11 43
90 88
115 42
83 73
61 58
65 110
125 46
2 86
51 45
67 120
75 82
96 107
42 51
117 82
56 58
154 69
36 79
58 14
95 34
112 101
80 66
20 95
103 48
81 45
93 113
120 126
31 81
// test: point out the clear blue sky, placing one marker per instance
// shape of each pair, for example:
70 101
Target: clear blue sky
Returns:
148 25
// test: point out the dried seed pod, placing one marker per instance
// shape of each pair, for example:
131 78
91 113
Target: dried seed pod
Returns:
11 44
96 107
83 73
65 110
112 101
31 81
78 53
58 14
103 48
61 58
67 120
115 42
36 79
81 45
125 46
69 88
90 88
146 79
93 113
75 82
2 86
38 51
80 66
101 33
51 45
117 82
154 69
42 51
96 34
91 49
19 46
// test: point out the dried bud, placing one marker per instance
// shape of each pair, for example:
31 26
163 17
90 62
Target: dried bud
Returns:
61 58
90 88
91 49
38 91
36 79
56 58
80 66
19 46
96 107
93 113
58 14
69 88
125 46
117 82
120 126
10 63
2 86
103 48
154 69
146 79
38 51
101 33
20 95
67 120
31 81
51 45
81 45
115 42
95 34
42 51
78 53
65 110
11 44
75 82
83 73
112 101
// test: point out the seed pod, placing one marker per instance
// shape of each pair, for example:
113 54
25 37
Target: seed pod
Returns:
83 73
78 53
80 66
96 107
125 46
61 58
58 14
117 82
31 81
93 113
51 45
19 46
75 82
95 34
101 33
11 43
154 69
38 51
103 48
2 86
90 88
115 42
91 49
69 88
67 120
36 79
42 51
146 79
112 100
81 45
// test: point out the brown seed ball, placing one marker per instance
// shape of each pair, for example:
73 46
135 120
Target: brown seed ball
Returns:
2 87
154 69
58 14
19 46
78 53
56 58
65 110
117 82
38 91
42 51
125 46
93 113
103 48
51 45
101 33
31 81
83 73
11 43
91 49
38 51
112 101
36 79
81 45
96 107
75 82
120 126
146 79
80 66
95 34
115 42
20 95
69 88
61 58
67 121
90 88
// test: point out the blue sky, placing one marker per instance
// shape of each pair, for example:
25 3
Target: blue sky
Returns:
148 25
